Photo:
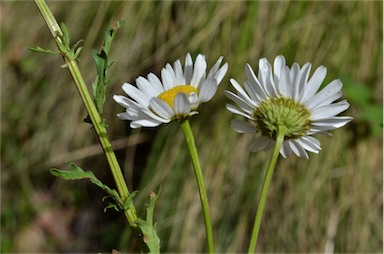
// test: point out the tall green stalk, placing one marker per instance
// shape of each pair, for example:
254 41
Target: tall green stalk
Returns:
97 122
200 182
265 187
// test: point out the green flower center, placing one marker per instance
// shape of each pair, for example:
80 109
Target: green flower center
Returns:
281 111
169 95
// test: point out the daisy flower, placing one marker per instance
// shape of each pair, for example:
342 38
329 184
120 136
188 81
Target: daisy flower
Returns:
175 97
287 97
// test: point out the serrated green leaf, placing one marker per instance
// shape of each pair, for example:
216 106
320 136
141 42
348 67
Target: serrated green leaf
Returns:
148 228
110 34
99 86
76 173
99 60
73 173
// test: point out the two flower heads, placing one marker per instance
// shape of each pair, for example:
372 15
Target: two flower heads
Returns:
279 98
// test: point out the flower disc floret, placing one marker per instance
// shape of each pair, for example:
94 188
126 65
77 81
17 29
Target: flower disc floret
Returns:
281 111
169 96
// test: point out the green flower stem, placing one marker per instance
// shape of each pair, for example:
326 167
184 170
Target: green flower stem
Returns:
200 182
100 129
264 191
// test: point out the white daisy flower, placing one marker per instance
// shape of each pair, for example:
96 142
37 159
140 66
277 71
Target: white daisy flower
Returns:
176 97
287 97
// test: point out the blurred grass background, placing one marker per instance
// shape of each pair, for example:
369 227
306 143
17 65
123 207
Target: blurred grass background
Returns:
330 203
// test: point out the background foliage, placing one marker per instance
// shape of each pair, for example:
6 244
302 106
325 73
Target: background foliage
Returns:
332 202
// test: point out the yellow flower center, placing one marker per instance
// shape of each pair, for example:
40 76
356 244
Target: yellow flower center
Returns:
170 95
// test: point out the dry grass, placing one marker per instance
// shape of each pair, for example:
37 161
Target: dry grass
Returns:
332 202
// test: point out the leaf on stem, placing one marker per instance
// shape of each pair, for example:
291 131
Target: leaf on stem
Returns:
65 37
99 86
147 227
41 50
76 173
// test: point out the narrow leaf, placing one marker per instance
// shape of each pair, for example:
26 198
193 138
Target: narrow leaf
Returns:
41 50
66 37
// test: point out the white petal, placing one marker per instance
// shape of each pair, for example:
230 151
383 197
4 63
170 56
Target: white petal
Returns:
311 142
122 100
171 72
146 87
207 90
217 73
321 129
156 83
167 79
235 110
327 100
329 110
128 103
253 93
136 94
308 145
314 83
278 64
241 93
303 79
242 126
137 113
214 68
181 104
261 143
317 131
188 69
179 73
161 108
335 121
251 77
294 75
298 149
285 149
326 95
221 73
198 71
124 116
141 117
144 123
193 100
284 85
239 101
266 78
